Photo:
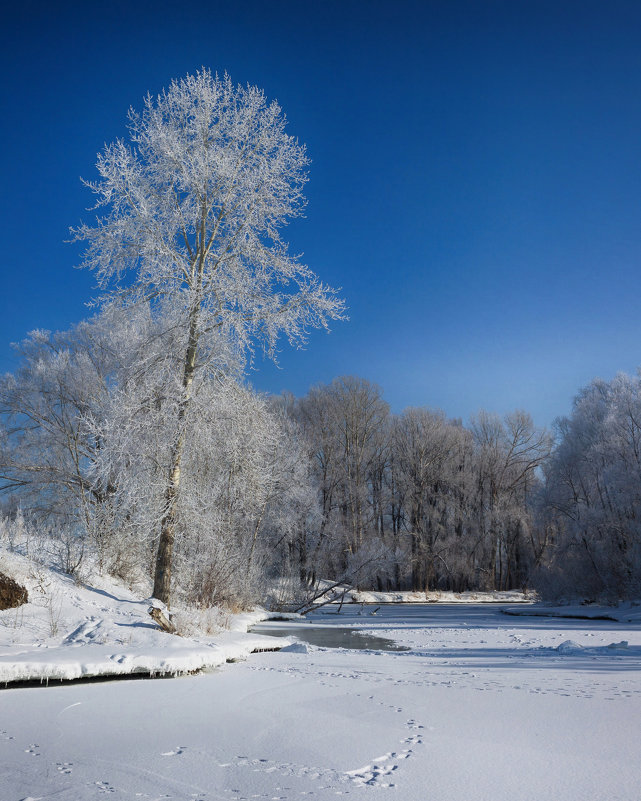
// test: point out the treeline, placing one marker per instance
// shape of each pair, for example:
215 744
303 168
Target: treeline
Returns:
589 513
278 493
417 501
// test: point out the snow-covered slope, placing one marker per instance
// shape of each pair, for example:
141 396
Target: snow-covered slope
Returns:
69 631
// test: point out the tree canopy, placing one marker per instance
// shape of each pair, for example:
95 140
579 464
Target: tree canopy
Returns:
194 205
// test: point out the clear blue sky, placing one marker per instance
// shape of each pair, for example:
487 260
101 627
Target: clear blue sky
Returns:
475 185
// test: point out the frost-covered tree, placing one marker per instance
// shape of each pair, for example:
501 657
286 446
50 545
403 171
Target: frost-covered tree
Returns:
346 427
55 416
426 468
48 447
592 500
509 453
45 448
193 206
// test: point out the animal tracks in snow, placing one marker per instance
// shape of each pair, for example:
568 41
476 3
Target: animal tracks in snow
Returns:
179 749
381 769
378 772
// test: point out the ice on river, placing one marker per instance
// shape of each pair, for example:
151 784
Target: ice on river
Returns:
482 706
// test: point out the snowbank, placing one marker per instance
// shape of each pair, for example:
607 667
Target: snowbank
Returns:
367 597
70 631
348 595
629 612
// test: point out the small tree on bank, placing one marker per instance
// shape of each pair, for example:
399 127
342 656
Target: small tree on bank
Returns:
193 206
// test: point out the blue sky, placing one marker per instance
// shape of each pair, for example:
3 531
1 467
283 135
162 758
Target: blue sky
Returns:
475 185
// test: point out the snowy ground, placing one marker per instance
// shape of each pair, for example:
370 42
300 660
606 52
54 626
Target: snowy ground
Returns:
408 597
69 630
346 593
483 706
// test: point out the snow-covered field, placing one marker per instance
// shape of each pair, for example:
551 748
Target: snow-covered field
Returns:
482 706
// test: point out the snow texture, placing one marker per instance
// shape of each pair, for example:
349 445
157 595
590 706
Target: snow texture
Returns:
483 707
68 631
507 596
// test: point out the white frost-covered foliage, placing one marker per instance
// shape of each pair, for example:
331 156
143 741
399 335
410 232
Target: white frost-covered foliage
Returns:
194 204
46 448
592 504
417 501
193 207
87 444
244 485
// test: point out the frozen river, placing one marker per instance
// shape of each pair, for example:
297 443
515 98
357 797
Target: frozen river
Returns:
481 706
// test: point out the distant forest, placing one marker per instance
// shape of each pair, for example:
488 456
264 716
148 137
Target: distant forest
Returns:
278 493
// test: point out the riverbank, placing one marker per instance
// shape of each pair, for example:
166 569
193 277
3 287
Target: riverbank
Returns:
482 707
72 630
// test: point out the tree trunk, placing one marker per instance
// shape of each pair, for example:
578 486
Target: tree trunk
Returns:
162 576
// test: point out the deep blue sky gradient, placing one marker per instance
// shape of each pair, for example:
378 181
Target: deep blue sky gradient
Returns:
475 185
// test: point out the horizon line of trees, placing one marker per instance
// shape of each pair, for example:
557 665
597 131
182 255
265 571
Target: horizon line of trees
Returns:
280 492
